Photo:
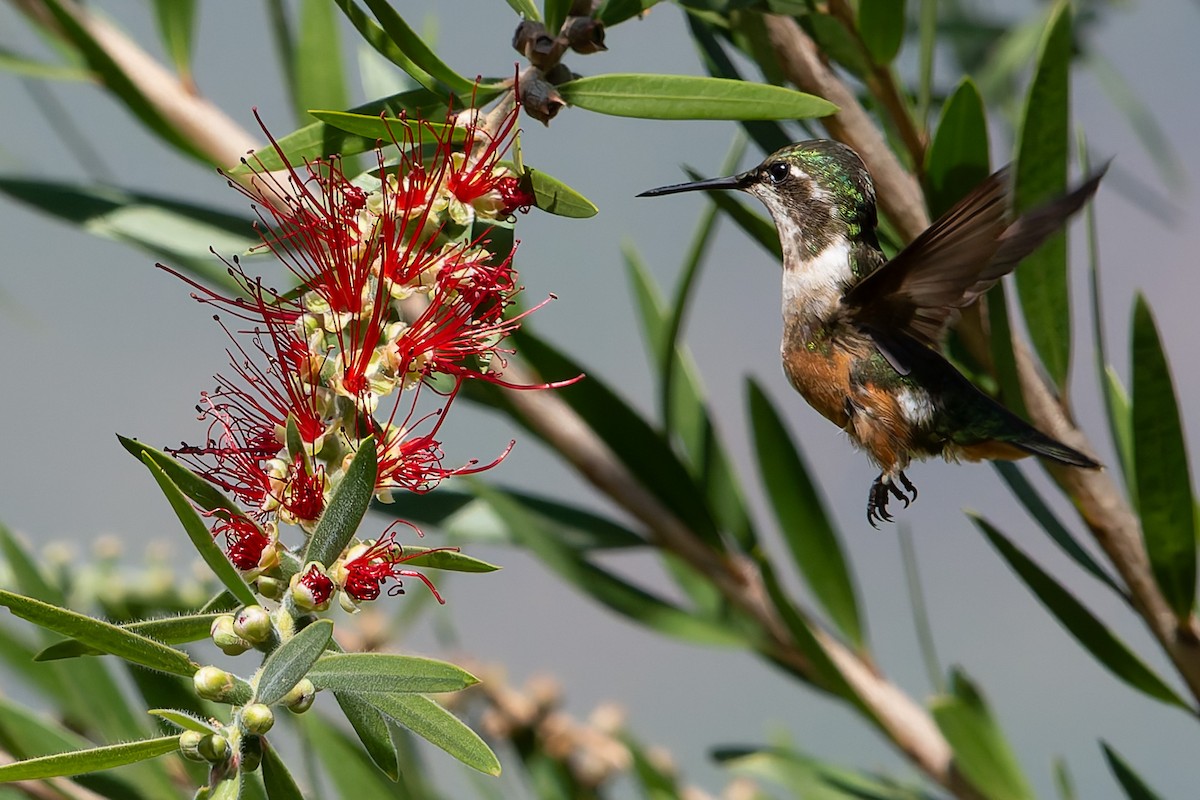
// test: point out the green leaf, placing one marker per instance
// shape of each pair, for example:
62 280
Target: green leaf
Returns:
803 520
200 491
176 23
450 560
526 9
277 779
101 635
838 43
25 734
183 720
168 630
465 517
320 139
416 52
201 537
981 752
1084 626
438 726
1041 175
386 129
23 66
957 160
383 672
114 78
554 12
372 730
552 195
604 586
291 661
640 448
1163 480
881 24
26 571
317 60
347 506
93 760
1041 511
1135 788
809 778
688 97
612 12
179 233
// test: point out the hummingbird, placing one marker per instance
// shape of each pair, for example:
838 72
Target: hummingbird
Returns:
862 334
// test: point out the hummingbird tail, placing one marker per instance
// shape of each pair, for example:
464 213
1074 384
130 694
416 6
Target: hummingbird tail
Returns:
1039 444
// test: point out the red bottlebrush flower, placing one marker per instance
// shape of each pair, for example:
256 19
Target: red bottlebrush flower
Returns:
474 177
514 195
311 588
244 542
301 495
235 459
378 563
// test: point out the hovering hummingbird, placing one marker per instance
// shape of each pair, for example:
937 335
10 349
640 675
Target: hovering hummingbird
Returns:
862 334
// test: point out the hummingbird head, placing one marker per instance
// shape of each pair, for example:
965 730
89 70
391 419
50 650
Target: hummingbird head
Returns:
817 191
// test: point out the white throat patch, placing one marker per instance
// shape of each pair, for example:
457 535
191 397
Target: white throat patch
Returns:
813 286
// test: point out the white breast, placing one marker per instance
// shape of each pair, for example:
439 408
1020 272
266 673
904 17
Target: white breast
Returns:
813 286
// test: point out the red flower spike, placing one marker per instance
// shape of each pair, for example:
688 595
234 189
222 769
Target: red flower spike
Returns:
303 495
378 564
244 542
473 174
312 588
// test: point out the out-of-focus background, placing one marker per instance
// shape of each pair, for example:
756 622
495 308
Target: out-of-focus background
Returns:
98 342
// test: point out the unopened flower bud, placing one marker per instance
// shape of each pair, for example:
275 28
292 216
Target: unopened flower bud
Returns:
214 748
254 624
189 745
252 753
301 697
257 718
584 34
271 588
224 637
540 99
212 683
311 588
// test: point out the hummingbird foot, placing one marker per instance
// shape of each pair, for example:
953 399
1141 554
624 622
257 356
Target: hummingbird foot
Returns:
877 500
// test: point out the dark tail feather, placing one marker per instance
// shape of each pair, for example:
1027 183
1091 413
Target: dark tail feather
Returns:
1039 444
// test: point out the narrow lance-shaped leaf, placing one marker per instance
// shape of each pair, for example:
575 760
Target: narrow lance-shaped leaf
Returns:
958 159
79 762
602 585
1041 174
554 12
881 24
552 195
291 661
176 21
101 635
415 49
319 78
688 97
277 779
347 506
168 630
1080 622
438 726
1135 788
200 536
385 672
183 720
372 730
1163 478
816 548
200 491
981 753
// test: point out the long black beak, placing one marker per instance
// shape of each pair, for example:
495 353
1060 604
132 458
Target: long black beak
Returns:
712 184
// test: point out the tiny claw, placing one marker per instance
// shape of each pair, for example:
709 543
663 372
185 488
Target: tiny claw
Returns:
877 500
908 486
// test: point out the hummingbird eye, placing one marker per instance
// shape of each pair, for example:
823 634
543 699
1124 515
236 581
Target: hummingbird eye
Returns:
778 171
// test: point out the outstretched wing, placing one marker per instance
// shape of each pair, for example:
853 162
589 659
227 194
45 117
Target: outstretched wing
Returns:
957 259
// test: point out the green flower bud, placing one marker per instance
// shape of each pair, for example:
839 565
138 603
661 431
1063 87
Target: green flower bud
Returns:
214 748
311 588
254 624
301 697
252 753
224 636
257 718
189 745
271 588
212 683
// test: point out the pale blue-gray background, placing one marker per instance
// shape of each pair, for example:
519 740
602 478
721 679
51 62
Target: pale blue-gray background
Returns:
97 342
